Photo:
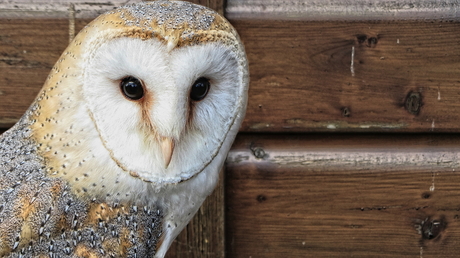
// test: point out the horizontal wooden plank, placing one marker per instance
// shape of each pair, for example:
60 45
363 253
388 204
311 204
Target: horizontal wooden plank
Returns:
342 9
343 196
28 51
391 76
398 76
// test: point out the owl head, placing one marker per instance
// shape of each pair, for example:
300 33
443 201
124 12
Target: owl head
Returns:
158 86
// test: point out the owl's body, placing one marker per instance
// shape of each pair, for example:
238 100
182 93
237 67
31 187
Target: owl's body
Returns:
126 138
41 217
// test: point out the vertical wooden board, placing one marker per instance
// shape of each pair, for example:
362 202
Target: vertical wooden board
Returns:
281 204
302 77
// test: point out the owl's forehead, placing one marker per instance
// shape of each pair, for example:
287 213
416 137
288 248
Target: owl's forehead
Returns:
176 23
171 15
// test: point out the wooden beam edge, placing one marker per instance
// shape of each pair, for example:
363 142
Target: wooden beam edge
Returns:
348 152
343 10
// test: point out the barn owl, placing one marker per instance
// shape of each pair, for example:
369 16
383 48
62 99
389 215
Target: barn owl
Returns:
126 138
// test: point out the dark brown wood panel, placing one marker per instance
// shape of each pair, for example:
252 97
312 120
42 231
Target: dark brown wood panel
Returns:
28 50
27 53
405 76
343 196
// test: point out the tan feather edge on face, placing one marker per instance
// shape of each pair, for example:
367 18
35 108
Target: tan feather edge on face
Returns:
62 95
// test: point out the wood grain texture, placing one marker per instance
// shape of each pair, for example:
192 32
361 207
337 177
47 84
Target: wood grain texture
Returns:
28 51
303 80
343 196
328 10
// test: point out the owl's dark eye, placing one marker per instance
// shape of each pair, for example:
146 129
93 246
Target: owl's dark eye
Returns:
132 88
199 89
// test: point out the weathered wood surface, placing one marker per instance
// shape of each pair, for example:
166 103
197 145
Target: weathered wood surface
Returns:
342 9
28 50
404 77
343 196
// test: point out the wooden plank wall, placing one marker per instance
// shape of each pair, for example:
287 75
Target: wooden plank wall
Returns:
343 195
348 172
371 76
340 153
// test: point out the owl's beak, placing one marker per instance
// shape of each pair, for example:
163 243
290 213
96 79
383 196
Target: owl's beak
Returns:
167 148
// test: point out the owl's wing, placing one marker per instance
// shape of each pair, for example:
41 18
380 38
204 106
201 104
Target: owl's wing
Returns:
40 215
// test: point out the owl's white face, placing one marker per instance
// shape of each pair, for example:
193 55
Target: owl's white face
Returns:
151 107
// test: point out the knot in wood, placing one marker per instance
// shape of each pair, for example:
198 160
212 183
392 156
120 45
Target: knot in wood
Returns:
258 152
432 228
413 102
363 39
372 41
346 112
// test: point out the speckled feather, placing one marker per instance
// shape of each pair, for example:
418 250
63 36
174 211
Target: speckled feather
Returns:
40 216
64 189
